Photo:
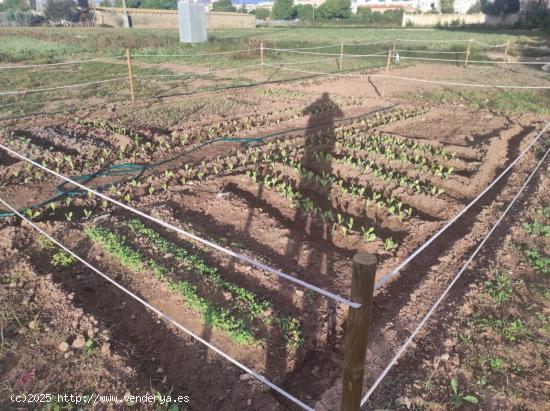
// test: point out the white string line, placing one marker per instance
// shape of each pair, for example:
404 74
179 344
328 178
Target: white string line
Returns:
326 54
313 48
308 62
544 48
161 314
431 51
320 73
196 54
478 61
368 44
38 90
490 45
381 54
442 297
387 277
60 63
187 234
197 74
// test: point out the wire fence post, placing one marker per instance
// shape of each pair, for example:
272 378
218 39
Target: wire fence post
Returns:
393 47
387 71
357 330
262 56
341 56
505 59
130 74
468 53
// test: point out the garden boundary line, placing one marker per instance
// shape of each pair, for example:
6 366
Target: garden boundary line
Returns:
161 314
120 78
188 234
39 90
448 289
63 63
215 53
450 83
384 53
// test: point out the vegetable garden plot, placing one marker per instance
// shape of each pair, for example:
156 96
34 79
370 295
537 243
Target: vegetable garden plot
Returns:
304 208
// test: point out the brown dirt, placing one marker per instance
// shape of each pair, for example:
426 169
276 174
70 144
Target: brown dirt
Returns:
231 209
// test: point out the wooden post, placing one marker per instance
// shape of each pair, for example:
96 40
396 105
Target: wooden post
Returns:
357 330
387 71
130 74
341 56
393 48
262 56
505 60
468 53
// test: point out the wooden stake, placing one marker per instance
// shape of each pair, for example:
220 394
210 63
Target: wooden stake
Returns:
387 71
357 330
393 47
342 55
505 60
468 53
130 74
262 56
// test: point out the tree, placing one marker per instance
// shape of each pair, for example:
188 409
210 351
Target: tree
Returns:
304 12
447 6
283 10
15 5
58 10
334 9
262 13
223 5
499 7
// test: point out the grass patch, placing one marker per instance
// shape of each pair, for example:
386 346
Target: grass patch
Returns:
504 100
510 330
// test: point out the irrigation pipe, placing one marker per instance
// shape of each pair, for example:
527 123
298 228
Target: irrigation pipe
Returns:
387 277
161 314
60 63
419 80
192 236
448 289
39 90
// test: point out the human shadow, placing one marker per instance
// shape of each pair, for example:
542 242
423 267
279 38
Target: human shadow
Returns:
320 328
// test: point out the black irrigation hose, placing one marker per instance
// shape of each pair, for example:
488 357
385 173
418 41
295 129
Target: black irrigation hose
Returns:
130 168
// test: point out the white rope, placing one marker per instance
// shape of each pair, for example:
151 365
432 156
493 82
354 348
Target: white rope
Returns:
526 46
320 73
431 51
39 90
313 48
197 74
490 45
327 54
442 297
432 41
478 61
387 277
208 243
161 314
216 53
368 44
61 63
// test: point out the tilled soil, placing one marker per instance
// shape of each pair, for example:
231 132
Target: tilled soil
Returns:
228 207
